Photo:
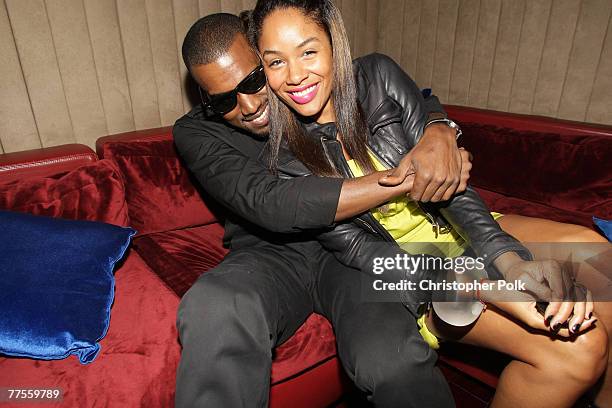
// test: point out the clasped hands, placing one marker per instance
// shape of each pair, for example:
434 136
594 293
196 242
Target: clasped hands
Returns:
434 169
570 305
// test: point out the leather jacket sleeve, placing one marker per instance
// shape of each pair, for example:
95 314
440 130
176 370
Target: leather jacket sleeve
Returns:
470 217
396 84
242 184
466 212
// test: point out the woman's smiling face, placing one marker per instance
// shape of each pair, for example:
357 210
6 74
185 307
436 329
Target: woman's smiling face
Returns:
297 58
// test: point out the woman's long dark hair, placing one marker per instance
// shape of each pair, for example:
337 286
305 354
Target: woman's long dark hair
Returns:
350 122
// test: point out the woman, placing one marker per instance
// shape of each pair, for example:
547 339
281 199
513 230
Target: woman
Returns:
325 114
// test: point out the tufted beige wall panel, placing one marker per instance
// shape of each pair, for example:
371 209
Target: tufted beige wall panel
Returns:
185 13
73 70
17 127
77 69
38 59
106 43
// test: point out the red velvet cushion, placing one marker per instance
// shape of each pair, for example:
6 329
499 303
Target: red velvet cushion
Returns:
180 257
159 192
312 344
571 173
320 386
92 192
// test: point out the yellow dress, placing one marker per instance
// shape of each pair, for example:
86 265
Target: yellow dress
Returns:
410 228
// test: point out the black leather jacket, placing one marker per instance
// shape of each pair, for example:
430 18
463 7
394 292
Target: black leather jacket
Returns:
393 107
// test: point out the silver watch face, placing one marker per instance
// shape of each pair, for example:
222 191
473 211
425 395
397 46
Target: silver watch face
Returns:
451 124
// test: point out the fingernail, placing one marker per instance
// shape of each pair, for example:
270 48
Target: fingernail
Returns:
576 327
590 315
548 319
555 328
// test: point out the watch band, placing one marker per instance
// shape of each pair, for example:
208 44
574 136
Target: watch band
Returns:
451 124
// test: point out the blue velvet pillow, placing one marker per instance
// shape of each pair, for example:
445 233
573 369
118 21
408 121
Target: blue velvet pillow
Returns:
604 226
57 284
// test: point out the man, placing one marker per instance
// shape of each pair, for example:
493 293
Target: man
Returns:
275 275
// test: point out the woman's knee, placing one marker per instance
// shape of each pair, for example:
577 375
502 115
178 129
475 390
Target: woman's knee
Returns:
591 355
586 358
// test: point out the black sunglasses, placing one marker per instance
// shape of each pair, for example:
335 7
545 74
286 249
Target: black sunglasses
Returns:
225 102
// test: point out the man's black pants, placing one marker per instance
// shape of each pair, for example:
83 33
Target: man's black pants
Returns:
235 314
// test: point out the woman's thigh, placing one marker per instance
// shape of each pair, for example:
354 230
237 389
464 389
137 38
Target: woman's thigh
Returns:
496 331
531 229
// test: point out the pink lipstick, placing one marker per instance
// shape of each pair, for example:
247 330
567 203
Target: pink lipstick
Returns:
304 94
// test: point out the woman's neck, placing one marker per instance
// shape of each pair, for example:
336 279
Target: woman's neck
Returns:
327 114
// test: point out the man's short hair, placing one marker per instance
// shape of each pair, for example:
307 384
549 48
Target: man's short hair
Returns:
210 37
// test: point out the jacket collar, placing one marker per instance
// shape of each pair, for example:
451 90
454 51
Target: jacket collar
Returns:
327 130
386 112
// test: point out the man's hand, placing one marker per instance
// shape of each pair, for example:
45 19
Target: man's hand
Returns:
440 168
549 281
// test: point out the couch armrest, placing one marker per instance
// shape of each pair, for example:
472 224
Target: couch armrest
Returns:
47 161
146 135
160 192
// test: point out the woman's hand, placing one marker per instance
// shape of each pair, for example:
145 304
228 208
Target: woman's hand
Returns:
441 169
526 312
550 281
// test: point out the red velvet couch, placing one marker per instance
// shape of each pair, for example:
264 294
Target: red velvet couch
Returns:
522 164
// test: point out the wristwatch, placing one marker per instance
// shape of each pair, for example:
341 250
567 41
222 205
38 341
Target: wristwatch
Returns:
448 123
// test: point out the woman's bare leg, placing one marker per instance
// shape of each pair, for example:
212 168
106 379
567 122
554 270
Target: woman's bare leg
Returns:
546 372
530 229
537 230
